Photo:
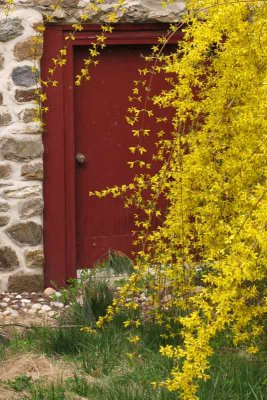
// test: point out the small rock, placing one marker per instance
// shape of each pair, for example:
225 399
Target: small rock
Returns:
49 292
57 304
36 306
26 301
32 311
18 296
14 313
6 299
45 307
3 304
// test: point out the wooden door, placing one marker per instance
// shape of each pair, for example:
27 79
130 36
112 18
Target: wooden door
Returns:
90 120
103 138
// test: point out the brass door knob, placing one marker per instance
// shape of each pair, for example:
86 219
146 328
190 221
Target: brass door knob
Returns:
80 158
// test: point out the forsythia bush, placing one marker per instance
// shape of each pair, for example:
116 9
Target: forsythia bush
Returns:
213 177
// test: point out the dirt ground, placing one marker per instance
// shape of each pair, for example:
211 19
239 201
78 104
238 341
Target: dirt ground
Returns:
33 365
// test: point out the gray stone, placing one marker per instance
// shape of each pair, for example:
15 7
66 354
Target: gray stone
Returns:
21 149
23 192
5 171
32 171
26 233
4 220
5 119
34 258
23 76
20 282
8 259
4 207
30 208
2 61
10 28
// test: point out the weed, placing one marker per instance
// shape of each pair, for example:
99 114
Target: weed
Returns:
20 383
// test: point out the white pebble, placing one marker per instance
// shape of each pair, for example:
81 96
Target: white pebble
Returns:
57 304
32 311
49 291
36 306
45 307
3 304
14 313
6 299
25 301
18 296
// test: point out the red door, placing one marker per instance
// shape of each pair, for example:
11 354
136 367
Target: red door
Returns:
103 138
90 120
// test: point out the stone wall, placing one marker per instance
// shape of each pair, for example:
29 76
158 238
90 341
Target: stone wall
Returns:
21 170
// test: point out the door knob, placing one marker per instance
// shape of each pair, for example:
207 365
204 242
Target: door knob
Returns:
80 158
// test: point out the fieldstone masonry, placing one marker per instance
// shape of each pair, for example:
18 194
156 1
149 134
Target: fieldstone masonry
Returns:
21 149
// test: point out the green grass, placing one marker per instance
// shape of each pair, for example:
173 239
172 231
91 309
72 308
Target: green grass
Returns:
105 371
108 367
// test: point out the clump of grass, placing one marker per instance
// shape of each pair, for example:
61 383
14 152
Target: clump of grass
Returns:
52 392
236 376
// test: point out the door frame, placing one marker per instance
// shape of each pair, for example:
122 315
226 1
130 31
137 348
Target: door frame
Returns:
58 139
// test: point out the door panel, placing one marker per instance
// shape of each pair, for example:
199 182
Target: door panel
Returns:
103 136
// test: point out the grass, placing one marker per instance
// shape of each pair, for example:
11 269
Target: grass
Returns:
106 366
105 370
